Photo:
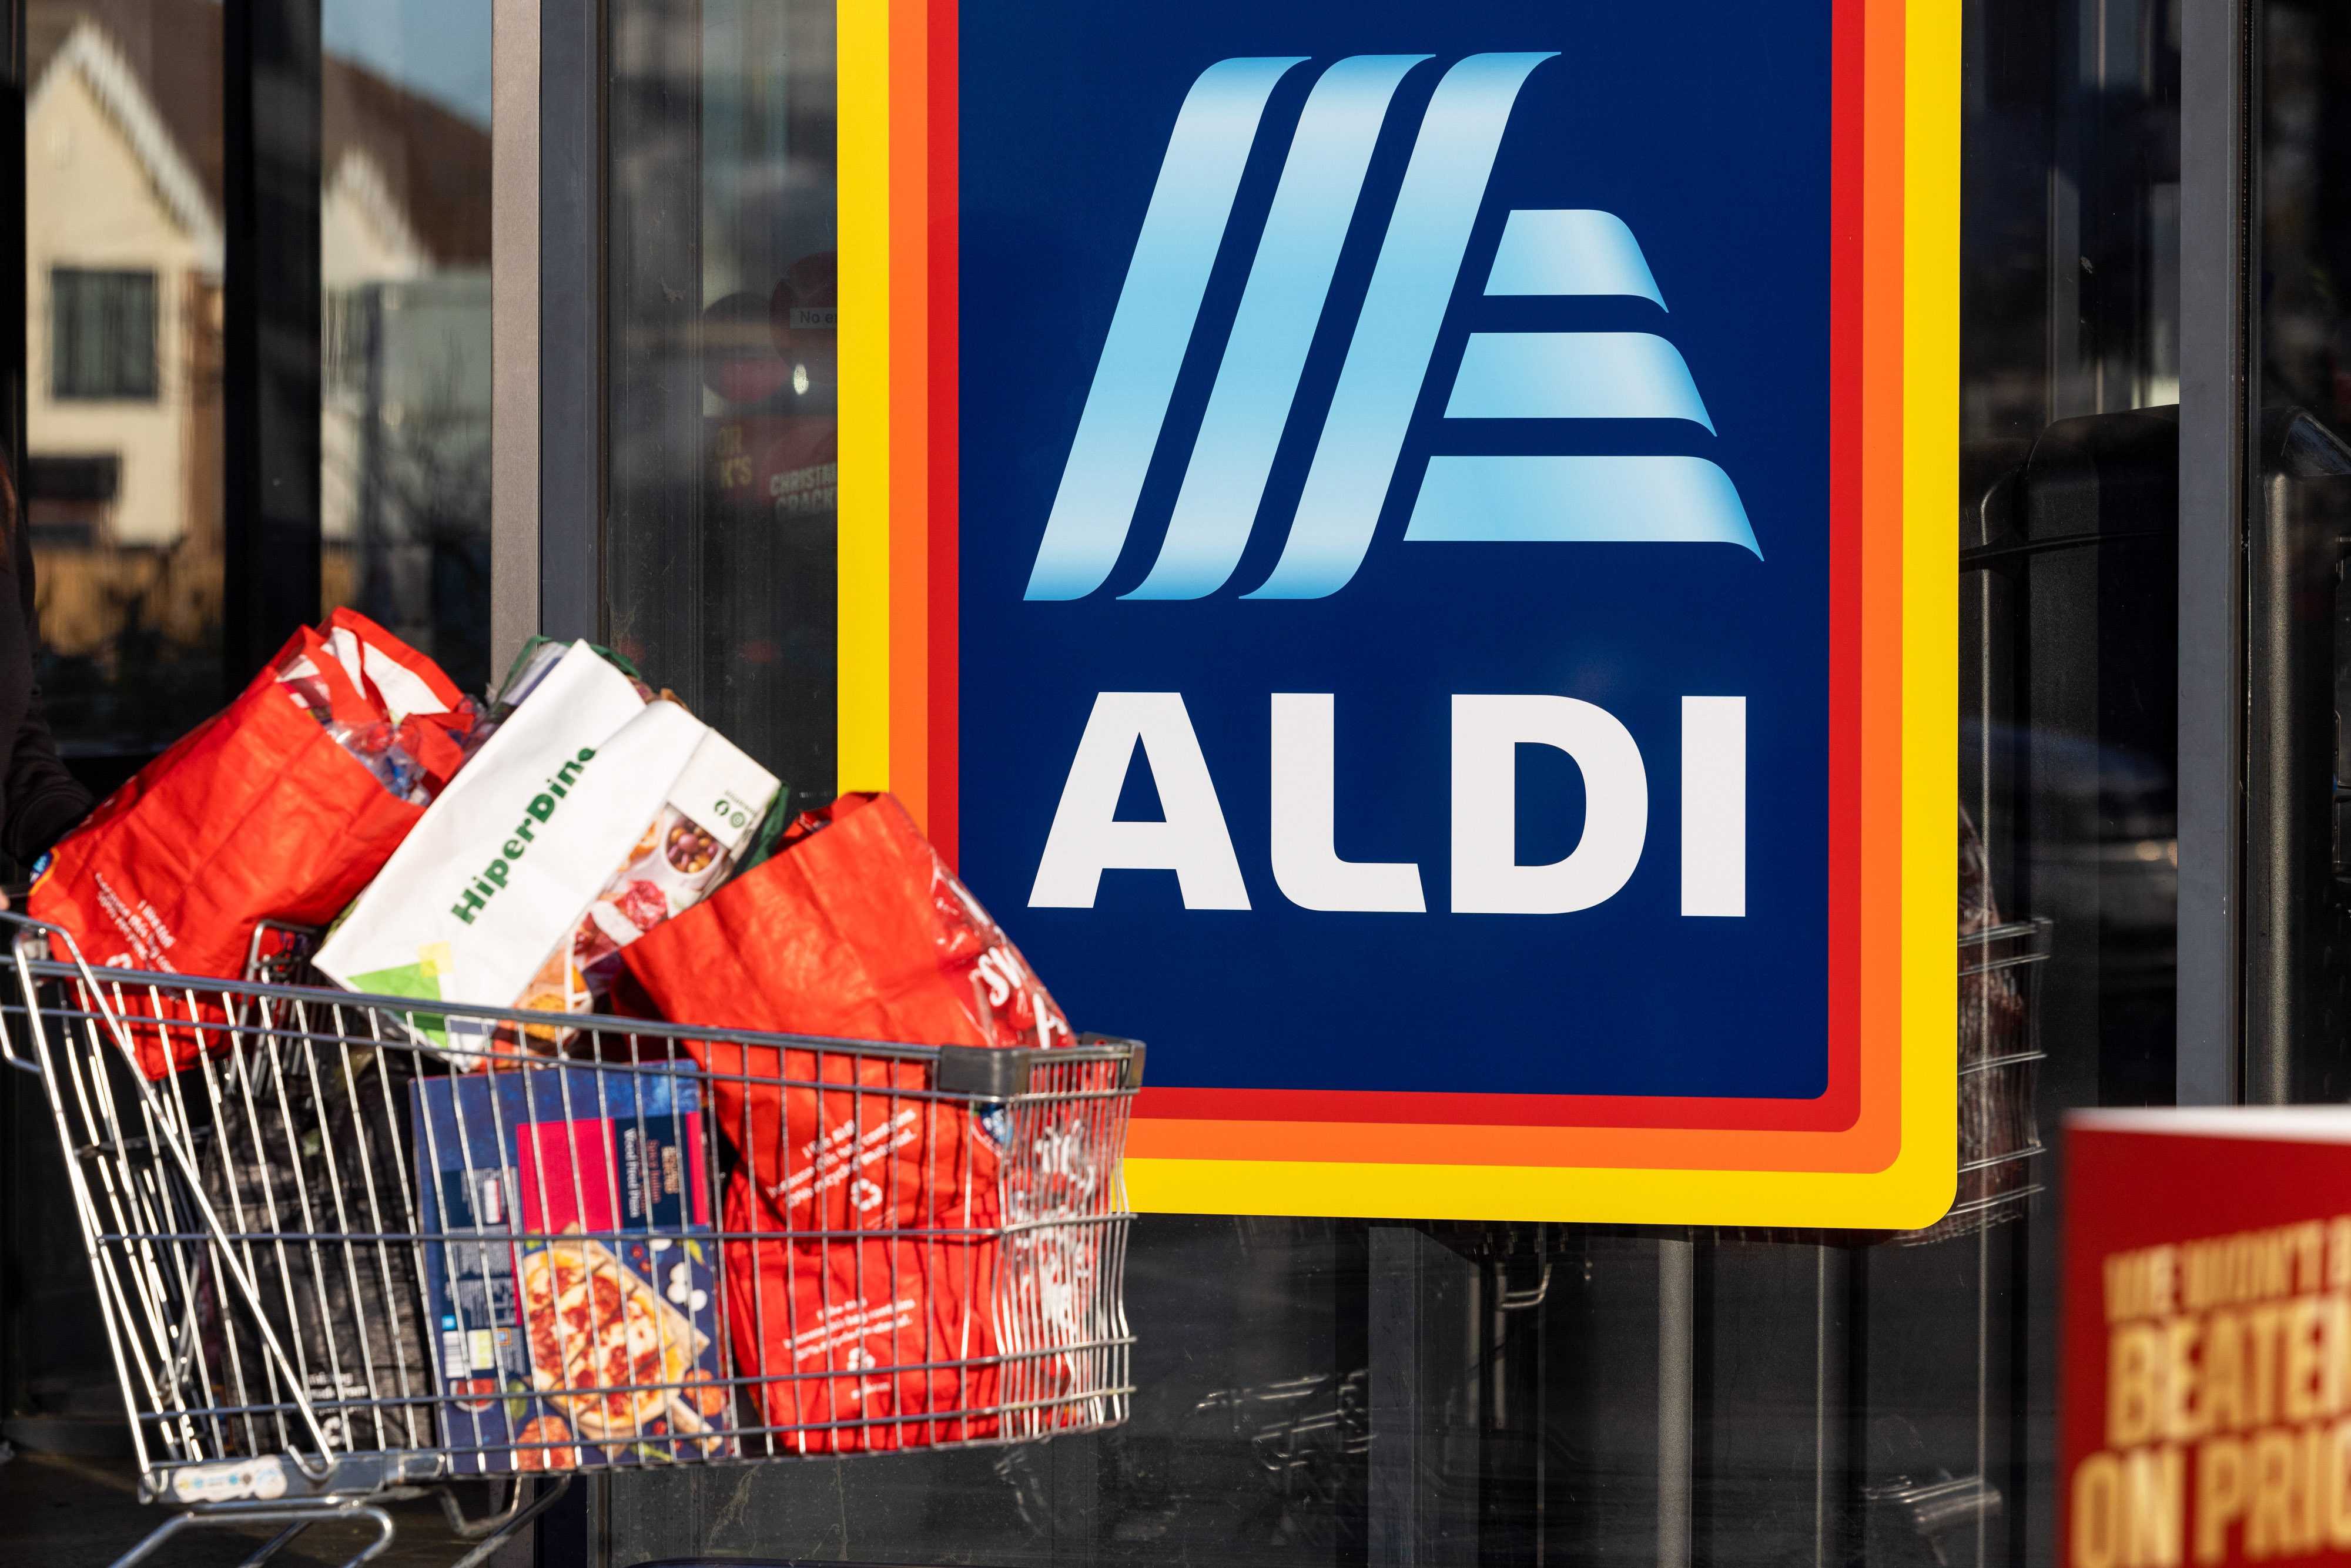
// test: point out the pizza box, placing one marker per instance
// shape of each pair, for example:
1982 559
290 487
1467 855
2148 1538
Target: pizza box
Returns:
572 1205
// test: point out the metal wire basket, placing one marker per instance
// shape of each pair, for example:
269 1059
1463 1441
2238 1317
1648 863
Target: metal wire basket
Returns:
340 1255
1999 1051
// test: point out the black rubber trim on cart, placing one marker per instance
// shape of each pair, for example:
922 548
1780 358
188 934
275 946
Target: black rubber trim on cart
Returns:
990 1073
983 1071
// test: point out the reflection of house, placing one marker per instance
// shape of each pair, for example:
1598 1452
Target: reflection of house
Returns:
123 258
404 245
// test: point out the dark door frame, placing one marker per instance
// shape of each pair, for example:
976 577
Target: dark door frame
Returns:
2219 257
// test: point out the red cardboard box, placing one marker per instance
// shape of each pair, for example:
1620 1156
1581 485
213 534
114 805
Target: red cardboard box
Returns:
2205 1410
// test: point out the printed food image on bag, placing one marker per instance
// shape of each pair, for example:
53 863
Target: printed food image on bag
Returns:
573 1288
282 807
713 811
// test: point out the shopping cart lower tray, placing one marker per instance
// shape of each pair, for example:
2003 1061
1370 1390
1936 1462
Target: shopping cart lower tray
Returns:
370 1244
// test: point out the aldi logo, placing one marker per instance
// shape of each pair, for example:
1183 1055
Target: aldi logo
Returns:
1515 498
1605 870
1522 375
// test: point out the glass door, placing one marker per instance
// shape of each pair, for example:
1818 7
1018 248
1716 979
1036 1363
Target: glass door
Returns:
1321 1391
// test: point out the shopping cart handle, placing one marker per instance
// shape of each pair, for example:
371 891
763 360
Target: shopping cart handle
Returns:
1132 1077
982 1071
995 1072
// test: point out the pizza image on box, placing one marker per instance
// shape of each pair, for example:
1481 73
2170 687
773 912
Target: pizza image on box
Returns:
596 1326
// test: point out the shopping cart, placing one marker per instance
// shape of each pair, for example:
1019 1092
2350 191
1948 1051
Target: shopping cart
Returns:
365 1246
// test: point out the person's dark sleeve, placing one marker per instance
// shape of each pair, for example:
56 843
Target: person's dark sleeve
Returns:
44 799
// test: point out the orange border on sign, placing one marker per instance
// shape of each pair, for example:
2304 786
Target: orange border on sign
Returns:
1895 453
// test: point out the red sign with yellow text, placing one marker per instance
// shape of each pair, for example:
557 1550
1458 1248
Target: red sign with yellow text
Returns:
2206 1411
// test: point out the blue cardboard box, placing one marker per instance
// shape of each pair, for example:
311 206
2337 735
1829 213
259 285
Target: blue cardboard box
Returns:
573 1293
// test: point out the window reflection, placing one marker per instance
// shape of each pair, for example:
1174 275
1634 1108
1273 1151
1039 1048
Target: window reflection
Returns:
101 334
122 489
720 278
404 247
2298 895
1318 1391
122 478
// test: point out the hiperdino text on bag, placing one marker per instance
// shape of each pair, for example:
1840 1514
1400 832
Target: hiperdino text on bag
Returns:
473 903
472 894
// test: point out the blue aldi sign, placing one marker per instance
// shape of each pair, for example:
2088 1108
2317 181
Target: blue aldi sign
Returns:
1412 613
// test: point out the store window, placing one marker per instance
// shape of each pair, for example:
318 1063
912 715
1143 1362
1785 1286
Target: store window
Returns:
1308 1390
122 481
346 406
719 287
2298 857
101 334
1327 1391
131 393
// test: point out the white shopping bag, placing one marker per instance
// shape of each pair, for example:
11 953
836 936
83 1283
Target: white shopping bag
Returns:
687 849
504 864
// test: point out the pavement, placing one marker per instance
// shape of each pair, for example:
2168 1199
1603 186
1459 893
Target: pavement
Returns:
63 1511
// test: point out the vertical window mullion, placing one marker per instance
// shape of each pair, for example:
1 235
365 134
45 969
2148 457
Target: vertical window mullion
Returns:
2216 217
271 351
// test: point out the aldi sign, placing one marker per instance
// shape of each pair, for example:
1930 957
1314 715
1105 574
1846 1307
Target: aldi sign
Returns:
1418 544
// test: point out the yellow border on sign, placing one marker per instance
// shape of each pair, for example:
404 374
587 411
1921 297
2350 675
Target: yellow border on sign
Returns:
1916 1188
1930 604
862 39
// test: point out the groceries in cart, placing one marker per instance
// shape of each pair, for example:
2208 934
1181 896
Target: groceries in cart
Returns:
576 1324
615 1220
283 806
315 1303
494 885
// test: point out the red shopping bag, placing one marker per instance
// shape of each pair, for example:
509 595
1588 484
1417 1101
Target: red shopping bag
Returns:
855 1144
855 929
865 1346
265 811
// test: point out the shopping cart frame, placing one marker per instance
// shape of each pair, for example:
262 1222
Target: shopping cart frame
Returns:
162 1251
